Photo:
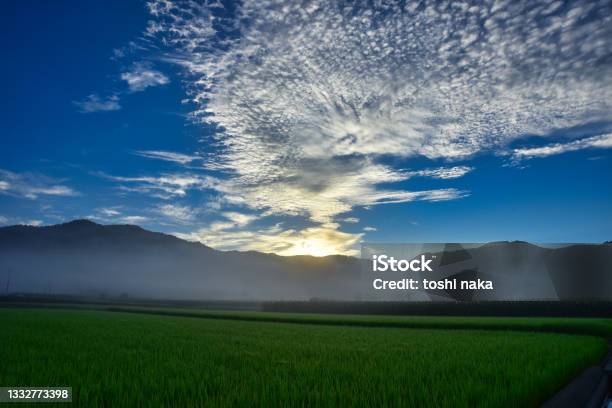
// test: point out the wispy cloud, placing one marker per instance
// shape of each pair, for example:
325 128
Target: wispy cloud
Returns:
443 172
167 185
233 234
141 77
95 103
432 79
109 212
133 219
178 213
127 50
593 142
310 99
168 156
370 229
239 219
120 215
32 185
32 222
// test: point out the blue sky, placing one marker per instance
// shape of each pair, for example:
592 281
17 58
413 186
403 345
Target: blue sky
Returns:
309 127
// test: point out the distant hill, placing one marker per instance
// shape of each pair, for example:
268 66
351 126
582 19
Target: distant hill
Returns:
85 258
82 257
521 270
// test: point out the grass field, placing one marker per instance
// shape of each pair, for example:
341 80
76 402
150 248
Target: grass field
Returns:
124 359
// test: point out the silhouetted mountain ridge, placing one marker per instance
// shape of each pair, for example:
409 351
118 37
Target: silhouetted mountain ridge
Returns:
80 233
83 257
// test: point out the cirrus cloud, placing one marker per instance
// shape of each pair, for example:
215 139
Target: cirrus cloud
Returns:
32 185
311 98
180 158
318 240
141 77
95 103
593 142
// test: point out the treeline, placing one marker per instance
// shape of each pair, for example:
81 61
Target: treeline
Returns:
543 308
594 308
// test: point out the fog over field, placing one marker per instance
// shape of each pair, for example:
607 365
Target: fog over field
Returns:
82 257
85 258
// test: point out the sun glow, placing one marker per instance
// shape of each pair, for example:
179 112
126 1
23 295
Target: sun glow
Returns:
314 241
312 246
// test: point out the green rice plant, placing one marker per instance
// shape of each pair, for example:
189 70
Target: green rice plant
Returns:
130 359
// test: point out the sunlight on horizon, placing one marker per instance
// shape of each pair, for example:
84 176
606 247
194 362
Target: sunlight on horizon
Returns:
312 246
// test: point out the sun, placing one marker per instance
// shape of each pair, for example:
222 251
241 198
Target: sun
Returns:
314 247
316 241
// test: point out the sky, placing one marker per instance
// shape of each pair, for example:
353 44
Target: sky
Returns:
308 127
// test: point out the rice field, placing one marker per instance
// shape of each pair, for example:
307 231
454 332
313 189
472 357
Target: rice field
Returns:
587 326
136 359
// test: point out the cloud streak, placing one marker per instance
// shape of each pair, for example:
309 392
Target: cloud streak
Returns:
95 103
167 185
593 142
168 156
445 173
182 214
32 185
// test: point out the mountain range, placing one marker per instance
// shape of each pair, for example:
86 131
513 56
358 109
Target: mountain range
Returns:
82 257
85 258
